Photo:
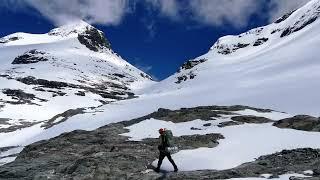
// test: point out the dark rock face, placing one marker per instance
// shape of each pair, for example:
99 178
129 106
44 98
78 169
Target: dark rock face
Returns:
222 49
32 56
185 77
98 154
21 96
93 39
118 93
192 63
300 122
283 162
284 17
291 30
229 123
187 66
308 18
260 41
251 119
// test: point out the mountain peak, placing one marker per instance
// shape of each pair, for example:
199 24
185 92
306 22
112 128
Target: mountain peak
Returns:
75 27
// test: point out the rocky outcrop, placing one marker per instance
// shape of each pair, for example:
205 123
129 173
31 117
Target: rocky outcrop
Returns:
228 49
260 41
93 39
286 161
300 122
308 18
251 119
105 154
9 39
190 114
284 17
21 97
32 56
119 92
191 64
98 154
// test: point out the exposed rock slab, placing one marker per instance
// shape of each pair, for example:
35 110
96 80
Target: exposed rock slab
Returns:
300 122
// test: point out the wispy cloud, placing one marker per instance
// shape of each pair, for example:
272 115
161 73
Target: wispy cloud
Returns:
63 11
279 7
217 12
169 8
111 12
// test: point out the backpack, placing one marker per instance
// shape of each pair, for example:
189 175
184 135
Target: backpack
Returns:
172 149
169 138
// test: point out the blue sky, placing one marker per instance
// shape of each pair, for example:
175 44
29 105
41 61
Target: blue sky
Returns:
157 36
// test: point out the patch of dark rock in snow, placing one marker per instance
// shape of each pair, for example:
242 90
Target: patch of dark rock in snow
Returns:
13 127
64 116
98 154
205 113
6 40
21 97
119 75
207 124
284 17
225 50
32 56
80 93
189 75
192 63
144 75
260 41
305 20
284 162
93 39
300 122
291 30
251 119
195 129
229 123
119 92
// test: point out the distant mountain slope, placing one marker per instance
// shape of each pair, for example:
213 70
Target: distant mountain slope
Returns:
47 77
275 66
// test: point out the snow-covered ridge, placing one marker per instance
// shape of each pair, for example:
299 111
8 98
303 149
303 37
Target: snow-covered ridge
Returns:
288 24
65 71
258 68
74 28
65 32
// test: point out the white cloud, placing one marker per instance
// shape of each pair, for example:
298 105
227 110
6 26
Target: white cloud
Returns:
218 12
63 11
280 7
168 8
111 12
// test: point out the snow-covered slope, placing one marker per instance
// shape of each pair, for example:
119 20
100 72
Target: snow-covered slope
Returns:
42 76
276 66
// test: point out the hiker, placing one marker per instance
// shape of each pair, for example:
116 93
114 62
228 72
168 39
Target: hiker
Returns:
163 148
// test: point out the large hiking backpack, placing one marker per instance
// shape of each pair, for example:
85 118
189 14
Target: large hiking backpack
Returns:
169 138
